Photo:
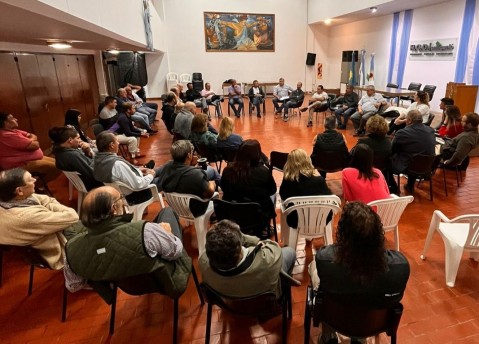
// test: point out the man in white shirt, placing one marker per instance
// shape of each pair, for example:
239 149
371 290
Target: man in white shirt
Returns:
319 98
212 98
235 97
368 106
281 94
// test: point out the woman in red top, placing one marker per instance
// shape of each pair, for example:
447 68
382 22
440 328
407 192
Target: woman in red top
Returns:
452 125
362 182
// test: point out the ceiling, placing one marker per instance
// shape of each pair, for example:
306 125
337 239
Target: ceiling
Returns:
384 9
22 26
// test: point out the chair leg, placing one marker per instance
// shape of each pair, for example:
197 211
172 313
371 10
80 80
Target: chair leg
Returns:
307 318
208 323
275 230
444 177
453 259
64 305
393 339
30 283
399 184
175 321
284 310
197 284
430 188
113 310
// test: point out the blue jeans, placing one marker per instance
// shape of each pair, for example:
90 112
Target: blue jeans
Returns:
238 101
142 119
289 258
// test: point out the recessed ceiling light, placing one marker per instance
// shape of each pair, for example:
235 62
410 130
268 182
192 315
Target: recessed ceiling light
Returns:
59 45
373 9
327 21
114 51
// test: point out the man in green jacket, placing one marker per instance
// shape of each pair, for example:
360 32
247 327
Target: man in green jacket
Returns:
111 247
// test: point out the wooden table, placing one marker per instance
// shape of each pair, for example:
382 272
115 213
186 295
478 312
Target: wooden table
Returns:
389 92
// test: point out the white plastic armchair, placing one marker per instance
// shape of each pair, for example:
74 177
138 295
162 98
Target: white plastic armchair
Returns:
313 213
459 234
138 209
390 211
181 205
171 80
185 78
75 180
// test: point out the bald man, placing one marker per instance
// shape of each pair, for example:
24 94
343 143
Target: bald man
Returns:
110 247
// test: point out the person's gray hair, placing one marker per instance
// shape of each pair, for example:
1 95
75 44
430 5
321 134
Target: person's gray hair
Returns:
330 123
414 116
370 87
180 149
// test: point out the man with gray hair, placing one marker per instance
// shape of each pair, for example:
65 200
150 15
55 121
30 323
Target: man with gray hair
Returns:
415 139
183 120
368 106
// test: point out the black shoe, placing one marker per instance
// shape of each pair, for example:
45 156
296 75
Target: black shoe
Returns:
150 164
310 124
258 115
285 118
409 189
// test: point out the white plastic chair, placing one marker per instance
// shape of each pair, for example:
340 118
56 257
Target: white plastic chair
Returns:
171 80
138 209
459 234
180 204
312 213
390 211
75 180
185 78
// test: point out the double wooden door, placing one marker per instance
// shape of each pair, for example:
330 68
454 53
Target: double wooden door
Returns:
39 88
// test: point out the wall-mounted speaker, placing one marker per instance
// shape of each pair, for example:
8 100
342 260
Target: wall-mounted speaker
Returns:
310 59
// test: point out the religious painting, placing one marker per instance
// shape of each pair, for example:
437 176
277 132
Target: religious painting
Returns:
240 32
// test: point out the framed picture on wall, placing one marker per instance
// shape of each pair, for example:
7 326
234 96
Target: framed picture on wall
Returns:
240 32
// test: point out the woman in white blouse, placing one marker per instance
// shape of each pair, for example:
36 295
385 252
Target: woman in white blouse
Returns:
421 103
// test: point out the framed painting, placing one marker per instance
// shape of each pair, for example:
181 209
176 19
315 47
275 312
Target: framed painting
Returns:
240 32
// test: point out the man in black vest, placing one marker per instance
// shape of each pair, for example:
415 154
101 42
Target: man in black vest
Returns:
111 247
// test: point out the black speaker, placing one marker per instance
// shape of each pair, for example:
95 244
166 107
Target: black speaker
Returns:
310 59
197 76
348 56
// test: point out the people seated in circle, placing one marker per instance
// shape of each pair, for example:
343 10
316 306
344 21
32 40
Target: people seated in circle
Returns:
29 219
361 181
73 155
246 179
359 265
225 267
19 148
227 139
452 125
300 178
421 104
368 106
319 98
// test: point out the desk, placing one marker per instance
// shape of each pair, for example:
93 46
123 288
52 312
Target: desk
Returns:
389 92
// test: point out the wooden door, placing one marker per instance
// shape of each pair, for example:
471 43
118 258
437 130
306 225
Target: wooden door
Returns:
89 86
13 99
68 74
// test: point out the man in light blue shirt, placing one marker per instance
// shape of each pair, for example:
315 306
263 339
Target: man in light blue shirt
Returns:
281 94
368 106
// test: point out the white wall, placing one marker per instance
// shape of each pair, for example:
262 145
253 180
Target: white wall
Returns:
323 9
186 42
438 21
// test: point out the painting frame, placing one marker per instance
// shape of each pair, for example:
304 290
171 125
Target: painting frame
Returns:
239 32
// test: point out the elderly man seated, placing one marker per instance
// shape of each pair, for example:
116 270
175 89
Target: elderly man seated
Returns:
32 220
111 247
368 105
239 265
19 148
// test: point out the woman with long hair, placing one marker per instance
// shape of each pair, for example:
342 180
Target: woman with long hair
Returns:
362 182
226 138
358 265
246 179
421 104
300 178
73 119
200 133
452 125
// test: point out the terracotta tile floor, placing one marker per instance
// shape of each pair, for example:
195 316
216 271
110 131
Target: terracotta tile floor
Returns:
433 313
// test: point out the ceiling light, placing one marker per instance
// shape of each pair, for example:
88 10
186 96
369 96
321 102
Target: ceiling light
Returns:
327 21
373 9
59 45
113 51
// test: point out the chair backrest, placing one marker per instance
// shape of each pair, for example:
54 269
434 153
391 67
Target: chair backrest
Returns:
248 216
180 203
472 241
392 85
430 90
185 78
172 77
414 86
313 212
248 306
277 160
391 209
353 316
97 129
74 178
139 285
422 165
208 152
330 161
430 118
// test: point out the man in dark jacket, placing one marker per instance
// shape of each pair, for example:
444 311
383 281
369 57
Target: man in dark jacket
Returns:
194 96
296 98
415 139
110 247
347 106
168 110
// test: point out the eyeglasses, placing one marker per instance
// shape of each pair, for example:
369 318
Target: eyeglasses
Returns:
124 204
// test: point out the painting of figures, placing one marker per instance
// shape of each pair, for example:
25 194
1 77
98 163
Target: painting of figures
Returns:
239 32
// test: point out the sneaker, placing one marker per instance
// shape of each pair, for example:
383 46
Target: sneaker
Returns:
303 109
258 115
310 124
